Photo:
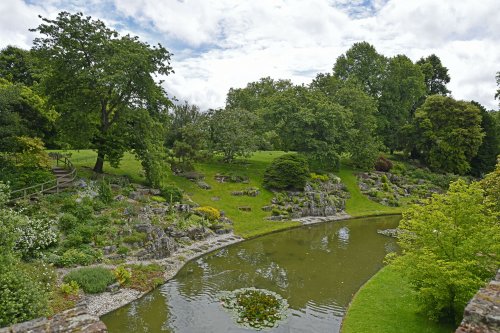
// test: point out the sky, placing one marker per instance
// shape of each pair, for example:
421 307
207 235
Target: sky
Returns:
219 44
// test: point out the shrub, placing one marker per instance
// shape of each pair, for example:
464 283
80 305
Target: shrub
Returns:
122 275
289 171
123 250
34 235
92 280
171 193
135 237
145 277
322 178
21 298
67 222
82 256
105 192
383 164
211 213
71 288
157 198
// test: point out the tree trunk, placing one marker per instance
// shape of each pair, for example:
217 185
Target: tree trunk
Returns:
99 163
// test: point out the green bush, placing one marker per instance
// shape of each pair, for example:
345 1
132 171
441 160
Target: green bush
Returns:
105 192
383 164
78 257
21 298
67 222
289 171
171 193
92 280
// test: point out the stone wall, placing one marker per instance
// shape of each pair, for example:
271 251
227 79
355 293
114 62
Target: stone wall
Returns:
482 314
69 321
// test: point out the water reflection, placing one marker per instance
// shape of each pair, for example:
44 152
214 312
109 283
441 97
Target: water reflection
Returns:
317 269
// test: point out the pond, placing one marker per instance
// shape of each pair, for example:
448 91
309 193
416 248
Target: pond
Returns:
316 268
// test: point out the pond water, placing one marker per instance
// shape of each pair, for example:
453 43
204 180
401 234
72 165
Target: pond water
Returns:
316 268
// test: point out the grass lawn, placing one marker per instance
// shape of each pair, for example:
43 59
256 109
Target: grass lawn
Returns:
385 304
358 204
246 224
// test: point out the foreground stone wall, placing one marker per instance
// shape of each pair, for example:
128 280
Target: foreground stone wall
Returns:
482 314
72 320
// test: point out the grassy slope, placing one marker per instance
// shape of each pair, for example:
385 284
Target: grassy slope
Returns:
358 204
385 304
246 224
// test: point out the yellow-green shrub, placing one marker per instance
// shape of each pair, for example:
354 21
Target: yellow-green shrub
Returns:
211 213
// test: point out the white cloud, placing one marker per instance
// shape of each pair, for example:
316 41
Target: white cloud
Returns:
220 44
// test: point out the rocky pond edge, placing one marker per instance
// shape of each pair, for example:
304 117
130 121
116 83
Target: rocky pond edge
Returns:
103 303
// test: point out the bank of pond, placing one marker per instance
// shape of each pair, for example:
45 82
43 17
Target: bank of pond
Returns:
317 269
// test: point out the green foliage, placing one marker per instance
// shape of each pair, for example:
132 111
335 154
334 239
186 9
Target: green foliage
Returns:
447 134
436 75
67 222
16 65
100 80
231 133
491 187
135 237
105 192
171 193
485 159
92 280
211 213
322 178
451 246
21 298
289 171
402 88
122 274
33 234
144 277
383 164
256 308
71 288
82 256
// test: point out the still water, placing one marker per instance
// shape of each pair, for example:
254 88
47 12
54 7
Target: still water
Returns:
316 268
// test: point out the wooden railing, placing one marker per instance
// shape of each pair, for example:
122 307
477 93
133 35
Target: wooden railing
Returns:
53 184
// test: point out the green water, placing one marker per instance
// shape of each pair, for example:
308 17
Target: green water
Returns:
317 269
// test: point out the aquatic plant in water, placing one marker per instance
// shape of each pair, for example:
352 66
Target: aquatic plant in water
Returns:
256 308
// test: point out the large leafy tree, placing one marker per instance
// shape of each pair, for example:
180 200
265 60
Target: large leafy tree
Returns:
447 133
364 64
486 157
450 248
402 87
96 78
436 75
362 141
230 133
16 65
23 113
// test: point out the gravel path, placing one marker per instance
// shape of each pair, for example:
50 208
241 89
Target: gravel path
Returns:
103 303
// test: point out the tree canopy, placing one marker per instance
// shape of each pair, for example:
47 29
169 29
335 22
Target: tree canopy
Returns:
436 75
96 79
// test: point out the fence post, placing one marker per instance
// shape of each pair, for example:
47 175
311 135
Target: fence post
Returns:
57 185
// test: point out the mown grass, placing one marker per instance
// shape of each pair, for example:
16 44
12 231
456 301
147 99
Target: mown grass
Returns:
358 204
386 304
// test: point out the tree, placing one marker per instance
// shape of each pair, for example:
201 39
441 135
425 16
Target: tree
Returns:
402 88
447 134
16 65
362 141
436 75
364 64
287 172
309 122
95 77
23 113
450 248
491 186
231 134
486 157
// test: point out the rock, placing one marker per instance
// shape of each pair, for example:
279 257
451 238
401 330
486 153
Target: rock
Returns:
203 185
215 198
267 208
245 208
185 239
154 191
144 227
115 187
223 231
198 233
112 288
109 249
73 320
136 195
237 193
225 219
119 197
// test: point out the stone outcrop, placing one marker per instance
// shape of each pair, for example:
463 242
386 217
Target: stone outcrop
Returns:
482 314
73 320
